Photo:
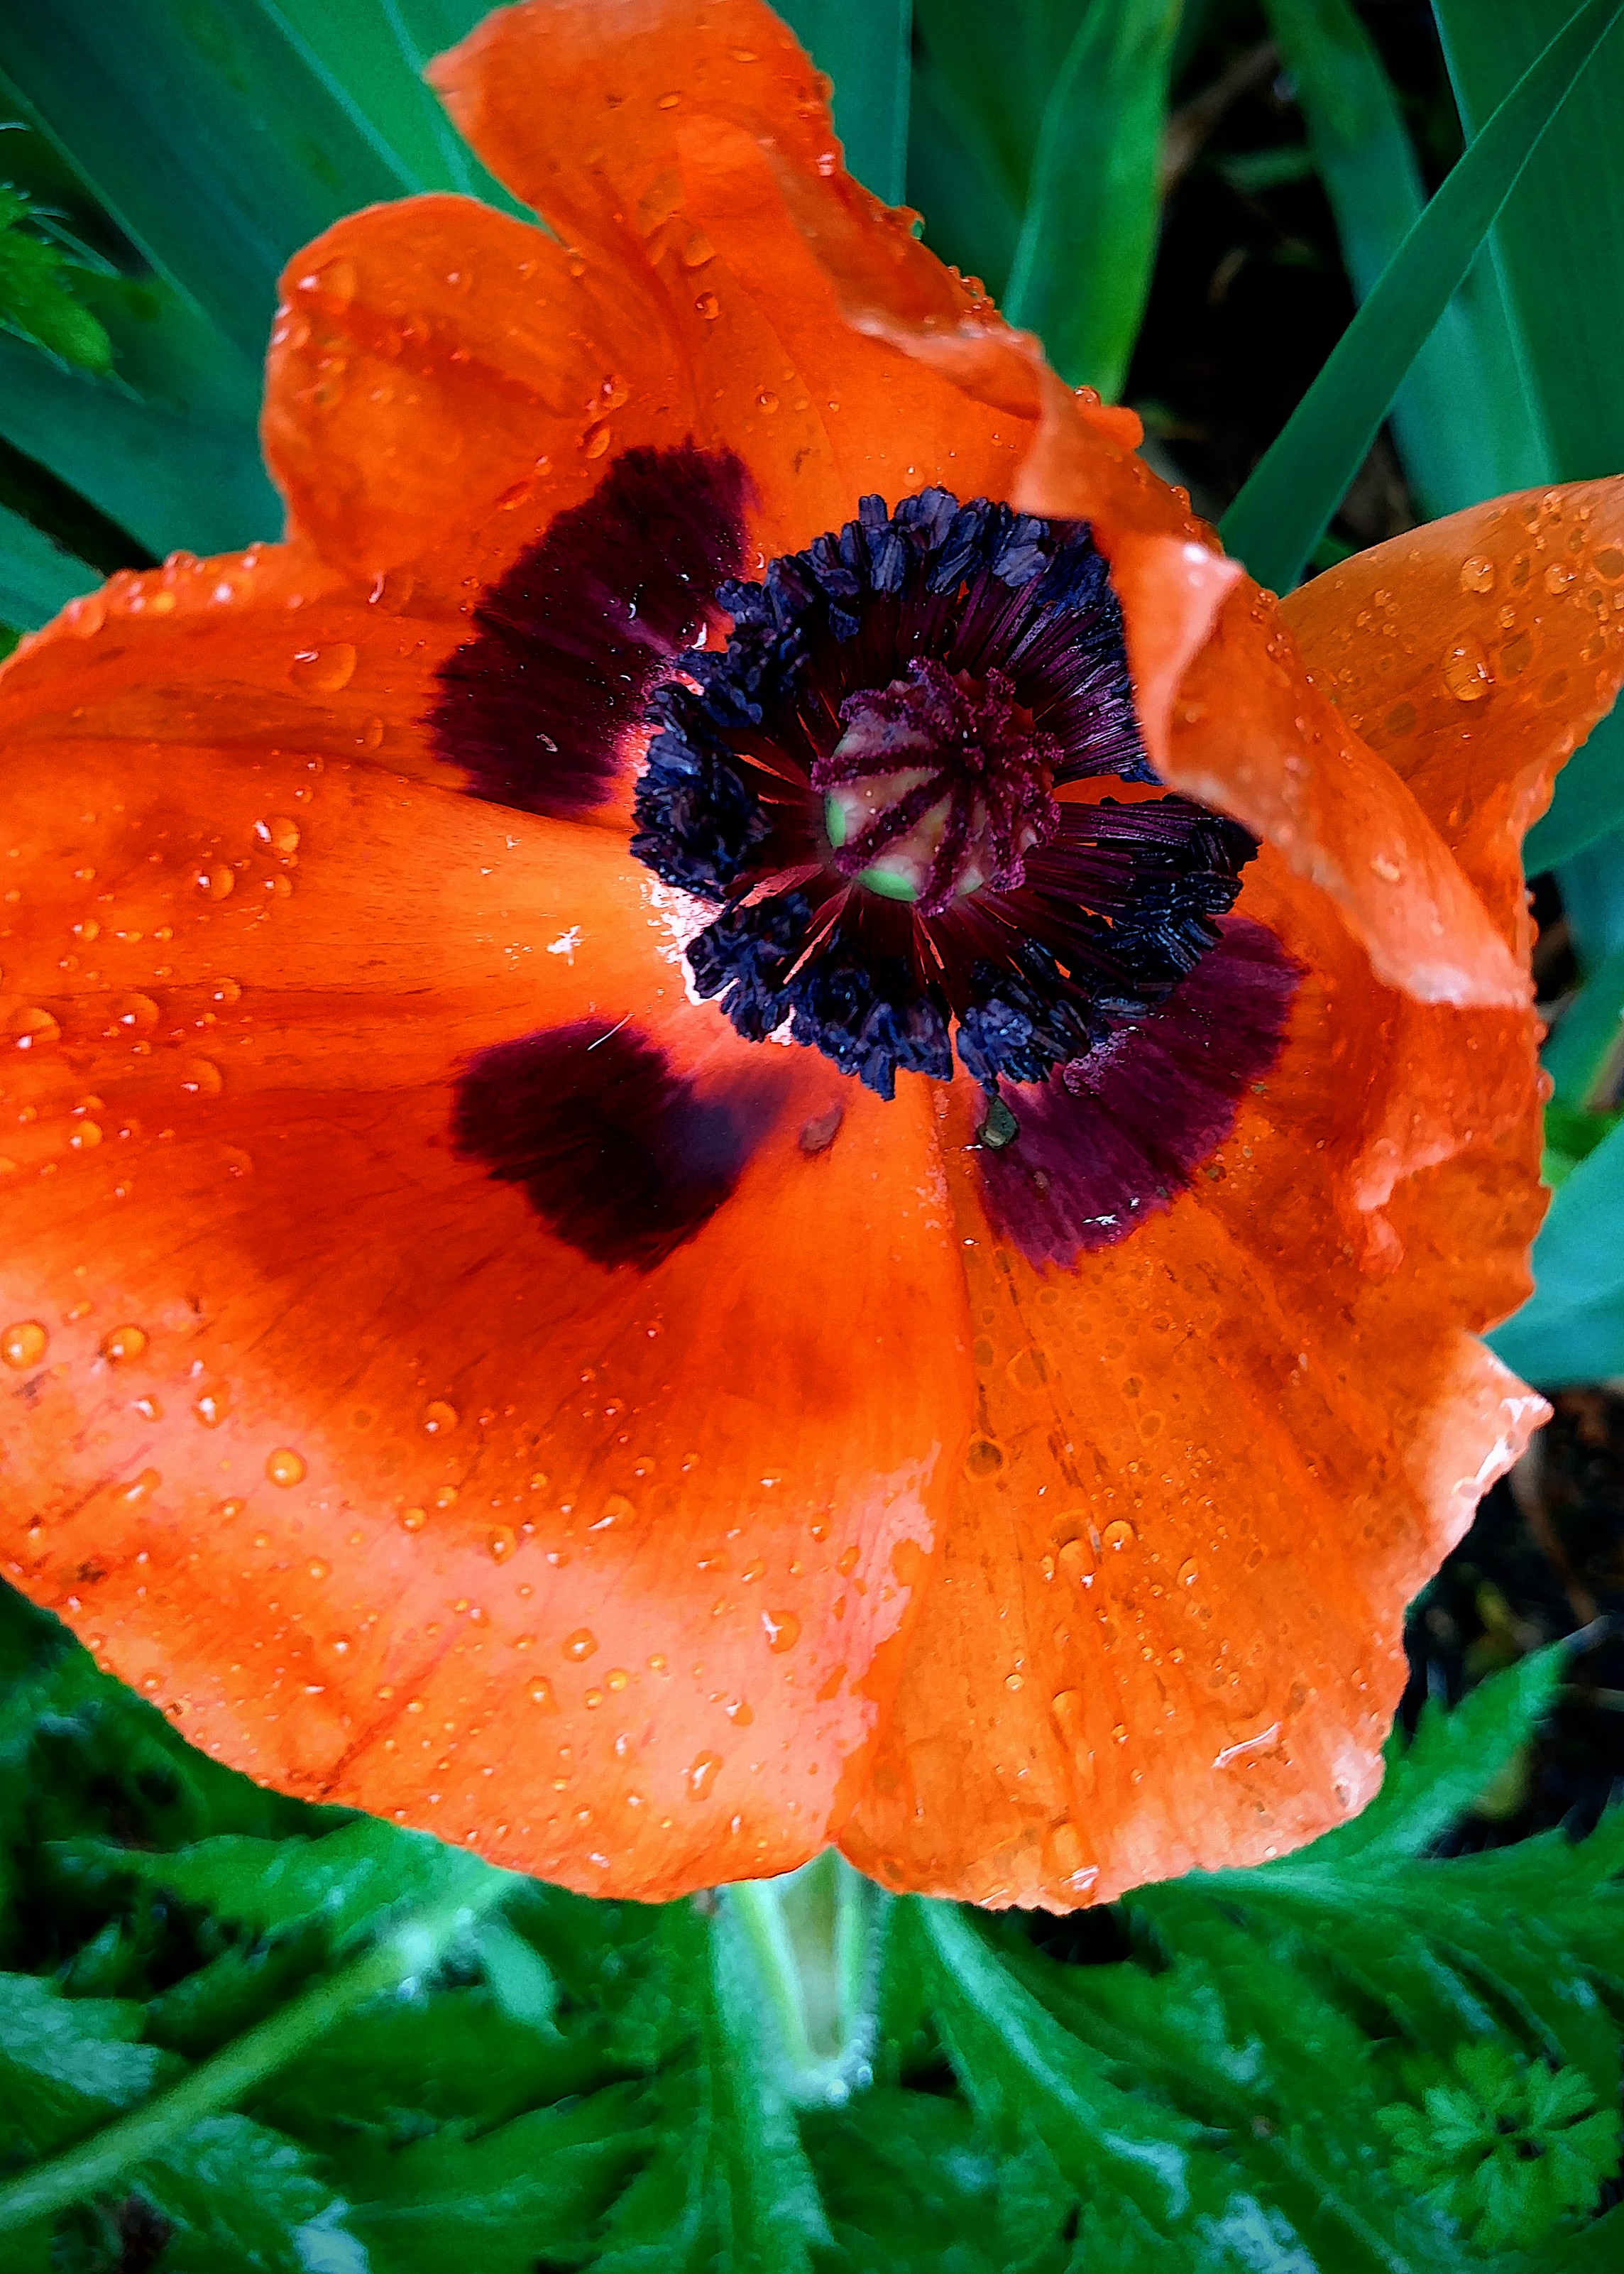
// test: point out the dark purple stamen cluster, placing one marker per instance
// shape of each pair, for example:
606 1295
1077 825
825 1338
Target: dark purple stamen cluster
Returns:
967 662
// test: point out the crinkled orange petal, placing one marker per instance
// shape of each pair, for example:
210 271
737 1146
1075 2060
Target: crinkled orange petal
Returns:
1474 655
322 1439
1212 1463
685 149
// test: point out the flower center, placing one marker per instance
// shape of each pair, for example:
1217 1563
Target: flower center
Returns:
939 785
888 786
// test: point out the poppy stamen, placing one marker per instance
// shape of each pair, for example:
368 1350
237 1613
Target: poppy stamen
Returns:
940 784
864 781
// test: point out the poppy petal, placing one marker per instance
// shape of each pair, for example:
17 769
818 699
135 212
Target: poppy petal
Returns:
441 383
689 150
1212 1463
1474 654
417 1412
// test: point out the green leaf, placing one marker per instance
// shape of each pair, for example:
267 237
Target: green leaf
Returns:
1560 240
37 576
1024 2073
1432 1780
911 2185
865 50
1510 2148
37 298
1583 1055
1081 272
344 1882
241 2197
1277 518
1572 1328
1558 248
1589 804
1465 427
65 2064
171 480
221 139
982 80
530 2191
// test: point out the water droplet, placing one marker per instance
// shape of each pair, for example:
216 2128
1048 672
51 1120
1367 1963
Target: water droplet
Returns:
227 1509
202 1078
709 306
211 1408
24 1344
148 1408
323 670
217 880
541 1694
124 1343
413 1519
335 281
1187 1572
1559 576
1119 1533
32 1029
85 1137
140 1488
984 1458
438 1418
136 1012
617 1678
702 1774
1466 673
501 1543
1014 1682
317 1570
1476 574
666 101
284 1466
281 833
225 990
767 399
847 1559
782 1629
1067 1708
581 1644
595 441
1389 871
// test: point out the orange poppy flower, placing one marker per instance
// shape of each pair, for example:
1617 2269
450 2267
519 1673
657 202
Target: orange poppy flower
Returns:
744 1113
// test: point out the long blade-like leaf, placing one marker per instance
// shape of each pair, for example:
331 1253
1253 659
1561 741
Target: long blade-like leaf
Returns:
865 50
1465 427
1081 273
169 479
1559 248
1282 513
36 576
223 138
1572 1328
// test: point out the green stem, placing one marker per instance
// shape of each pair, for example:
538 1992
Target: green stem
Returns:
814 1937
756 1905
414 1947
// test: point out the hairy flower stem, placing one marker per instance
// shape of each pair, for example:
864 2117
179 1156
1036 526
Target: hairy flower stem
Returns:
814 1938
414 1947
